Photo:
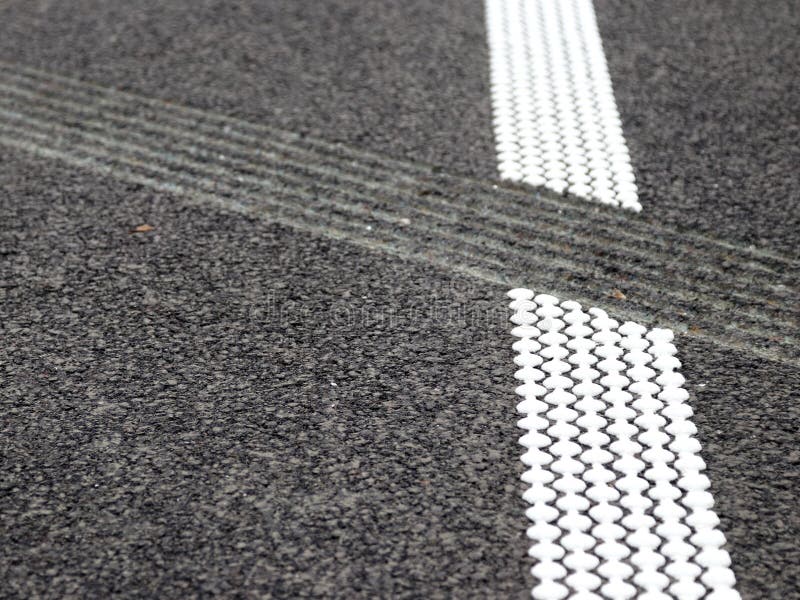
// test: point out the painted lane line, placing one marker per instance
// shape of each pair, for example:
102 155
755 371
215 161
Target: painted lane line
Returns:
618 500
555 119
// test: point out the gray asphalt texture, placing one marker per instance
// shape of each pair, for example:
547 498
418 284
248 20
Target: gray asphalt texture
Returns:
706 91
224 407
408 79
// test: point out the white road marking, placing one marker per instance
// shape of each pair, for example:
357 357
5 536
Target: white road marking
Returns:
555 119
619 504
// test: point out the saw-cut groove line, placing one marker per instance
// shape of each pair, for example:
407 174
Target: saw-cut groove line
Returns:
493 234
555 119
618 500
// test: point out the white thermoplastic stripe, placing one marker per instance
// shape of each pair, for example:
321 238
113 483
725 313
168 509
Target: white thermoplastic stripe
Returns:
618 499
555 119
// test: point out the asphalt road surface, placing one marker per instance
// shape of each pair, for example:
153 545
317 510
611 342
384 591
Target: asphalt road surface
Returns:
254 259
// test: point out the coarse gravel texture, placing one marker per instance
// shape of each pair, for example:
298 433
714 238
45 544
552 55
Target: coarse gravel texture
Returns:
227 407
708 97
706 92
221 406
408 78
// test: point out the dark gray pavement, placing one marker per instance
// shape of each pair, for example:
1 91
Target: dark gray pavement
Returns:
706 91
225 407
229 407
408 79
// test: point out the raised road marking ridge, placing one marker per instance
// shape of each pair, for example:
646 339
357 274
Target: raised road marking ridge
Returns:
494 232
555 119
619 504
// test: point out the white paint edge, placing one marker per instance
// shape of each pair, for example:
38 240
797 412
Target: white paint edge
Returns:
618 499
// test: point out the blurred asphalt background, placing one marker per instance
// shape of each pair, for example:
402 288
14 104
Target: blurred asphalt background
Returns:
165 433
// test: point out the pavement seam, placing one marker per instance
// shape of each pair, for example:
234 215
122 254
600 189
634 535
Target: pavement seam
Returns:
556 228
144 158
560 235
500 235
560 205
444 227
411 251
